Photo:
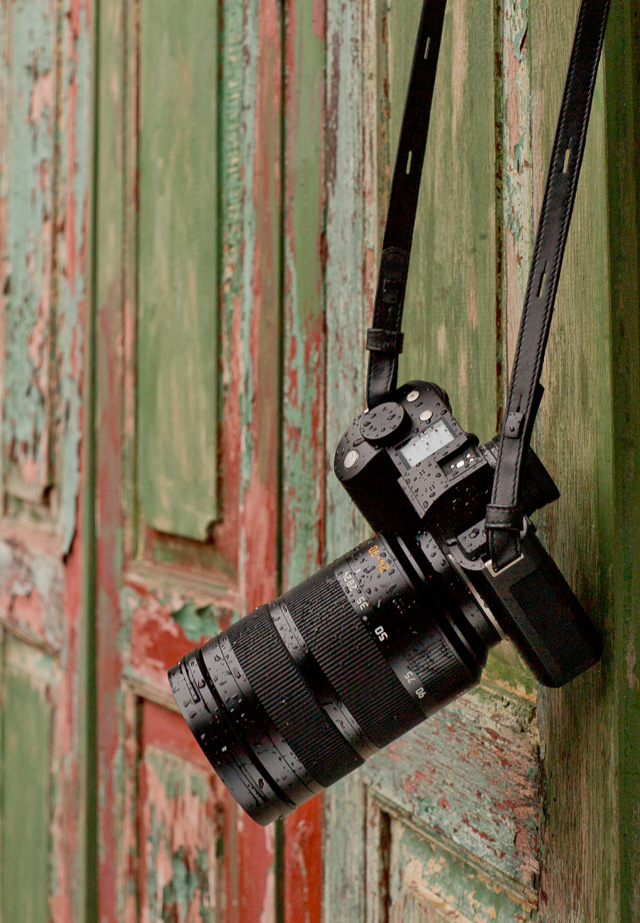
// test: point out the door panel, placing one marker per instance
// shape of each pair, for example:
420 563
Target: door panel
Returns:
177 420
28 691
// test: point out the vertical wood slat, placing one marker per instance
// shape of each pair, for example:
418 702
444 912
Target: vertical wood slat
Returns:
46 67
577 723
178 326
303 351
590 426
252 886
346 280
26 783
253 382
450 310
622 158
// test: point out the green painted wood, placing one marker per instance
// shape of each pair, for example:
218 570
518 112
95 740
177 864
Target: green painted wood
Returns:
345 803
450 311
470 777
26 787
178 268
429 884
589 436
29 153
622 127
578 723
303 447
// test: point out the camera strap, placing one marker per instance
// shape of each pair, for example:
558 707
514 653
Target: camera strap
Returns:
385 338
504 518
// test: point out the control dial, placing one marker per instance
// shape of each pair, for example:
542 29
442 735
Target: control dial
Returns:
384 423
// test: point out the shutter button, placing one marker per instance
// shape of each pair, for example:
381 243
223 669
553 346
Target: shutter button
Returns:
384 423
351 459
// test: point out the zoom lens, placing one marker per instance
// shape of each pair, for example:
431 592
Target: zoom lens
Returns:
301 691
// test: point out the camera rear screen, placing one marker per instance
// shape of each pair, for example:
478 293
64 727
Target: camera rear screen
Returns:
425 444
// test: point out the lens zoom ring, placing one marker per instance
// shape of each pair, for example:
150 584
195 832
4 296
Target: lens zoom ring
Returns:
283 692
354 665
434 659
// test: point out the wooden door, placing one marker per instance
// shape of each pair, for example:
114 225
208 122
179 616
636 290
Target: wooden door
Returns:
242 165
514 803
45 142
204 244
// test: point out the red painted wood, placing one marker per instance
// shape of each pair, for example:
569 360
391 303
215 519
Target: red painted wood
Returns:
304 380
303 864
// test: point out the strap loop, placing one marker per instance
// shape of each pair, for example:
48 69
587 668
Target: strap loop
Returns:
389 342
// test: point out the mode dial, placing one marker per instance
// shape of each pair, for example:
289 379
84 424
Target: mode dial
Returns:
384 423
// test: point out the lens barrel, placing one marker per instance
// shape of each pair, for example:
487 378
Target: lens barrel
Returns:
300 692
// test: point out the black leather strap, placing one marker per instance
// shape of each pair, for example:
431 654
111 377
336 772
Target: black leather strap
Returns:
384 341
504 520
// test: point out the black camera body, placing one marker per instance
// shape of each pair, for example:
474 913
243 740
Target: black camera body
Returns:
409 467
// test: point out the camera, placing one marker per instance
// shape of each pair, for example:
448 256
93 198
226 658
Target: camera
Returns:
300 692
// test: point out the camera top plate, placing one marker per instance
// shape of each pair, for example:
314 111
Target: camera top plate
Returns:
399 461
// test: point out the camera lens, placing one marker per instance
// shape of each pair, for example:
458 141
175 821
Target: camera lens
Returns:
301 691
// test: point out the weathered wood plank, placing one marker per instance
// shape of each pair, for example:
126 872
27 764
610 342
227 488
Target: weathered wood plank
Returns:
303 349
346 281
178 268
244 542
179 826
622 159
113 856
577 724
470 775
72 256
26 784
429 884
450 311
30 210
589 427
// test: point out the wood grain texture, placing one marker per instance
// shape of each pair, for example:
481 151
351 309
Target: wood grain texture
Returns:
178 268
179 825
346 280
160 594
303 350
27 699
429 885
578 724
589 437
470 776
450 309
31 167
46 65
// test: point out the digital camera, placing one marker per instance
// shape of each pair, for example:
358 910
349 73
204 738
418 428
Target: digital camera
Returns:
300 692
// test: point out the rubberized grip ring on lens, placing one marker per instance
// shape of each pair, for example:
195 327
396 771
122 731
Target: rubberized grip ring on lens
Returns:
289 701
